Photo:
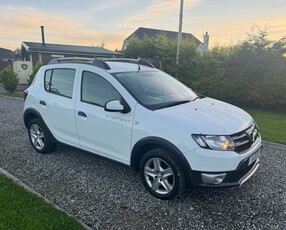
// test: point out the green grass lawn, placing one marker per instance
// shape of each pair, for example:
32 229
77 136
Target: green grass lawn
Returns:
272 126
23 210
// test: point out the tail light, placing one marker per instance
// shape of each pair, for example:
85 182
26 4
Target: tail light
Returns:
25 93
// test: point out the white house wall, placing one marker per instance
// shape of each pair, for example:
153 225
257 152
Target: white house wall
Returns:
23 69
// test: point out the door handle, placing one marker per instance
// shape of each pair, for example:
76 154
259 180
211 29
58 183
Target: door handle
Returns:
42 102
82 114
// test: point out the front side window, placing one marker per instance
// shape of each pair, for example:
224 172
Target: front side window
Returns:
96 90
60 81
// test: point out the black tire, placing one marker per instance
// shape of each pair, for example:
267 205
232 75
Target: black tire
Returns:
161 174
40 136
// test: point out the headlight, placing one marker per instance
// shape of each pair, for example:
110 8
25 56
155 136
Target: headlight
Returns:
214 142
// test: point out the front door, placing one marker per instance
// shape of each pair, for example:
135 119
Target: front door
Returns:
104 133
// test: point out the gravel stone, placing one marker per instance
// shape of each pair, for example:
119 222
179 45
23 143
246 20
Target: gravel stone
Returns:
106 195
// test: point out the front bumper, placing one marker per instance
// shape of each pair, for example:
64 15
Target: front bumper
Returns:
240 175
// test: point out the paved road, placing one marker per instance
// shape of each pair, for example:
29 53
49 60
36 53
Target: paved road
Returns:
105 195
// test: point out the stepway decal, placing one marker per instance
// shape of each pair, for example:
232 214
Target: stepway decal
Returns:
118 118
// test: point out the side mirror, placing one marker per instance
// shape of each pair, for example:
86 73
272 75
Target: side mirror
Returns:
114 106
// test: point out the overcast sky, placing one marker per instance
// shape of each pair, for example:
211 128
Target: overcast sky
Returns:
89 22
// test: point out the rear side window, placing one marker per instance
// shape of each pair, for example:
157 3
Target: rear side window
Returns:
60 81
96 90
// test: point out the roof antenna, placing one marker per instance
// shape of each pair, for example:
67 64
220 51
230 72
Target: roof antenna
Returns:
138 59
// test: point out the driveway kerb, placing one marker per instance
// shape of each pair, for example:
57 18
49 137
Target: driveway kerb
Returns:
27 188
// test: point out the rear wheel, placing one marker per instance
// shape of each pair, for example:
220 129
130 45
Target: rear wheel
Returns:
162 174
39 137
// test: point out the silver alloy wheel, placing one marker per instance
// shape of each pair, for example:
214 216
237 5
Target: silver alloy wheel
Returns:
159 175
37 136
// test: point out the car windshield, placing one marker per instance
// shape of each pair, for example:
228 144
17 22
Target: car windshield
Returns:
155 89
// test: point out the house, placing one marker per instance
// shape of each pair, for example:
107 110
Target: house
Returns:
34 51
5 58
44 52
141 32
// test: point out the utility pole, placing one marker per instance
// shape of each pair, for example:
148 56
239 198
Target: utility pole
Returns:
180 31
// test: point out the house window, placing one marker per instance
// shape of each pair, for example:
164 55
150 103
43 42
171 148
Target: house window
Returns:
60 81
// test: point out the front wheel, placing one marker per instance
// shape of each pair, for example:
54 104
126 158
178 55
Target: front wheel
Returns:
162 174
40 137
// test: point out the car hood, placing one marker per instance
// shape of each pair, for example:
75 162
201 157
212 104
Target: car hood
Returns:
210 116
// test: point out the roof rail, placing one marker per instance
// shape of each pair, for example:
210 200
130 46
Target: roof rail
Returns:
91 61
130 60
99 62
71 60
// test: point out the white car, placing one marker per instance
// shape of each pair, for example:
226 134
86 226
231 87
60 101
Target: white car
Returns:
130 112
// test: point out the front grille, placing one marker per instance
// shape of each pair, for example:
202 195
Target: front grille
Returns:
245 139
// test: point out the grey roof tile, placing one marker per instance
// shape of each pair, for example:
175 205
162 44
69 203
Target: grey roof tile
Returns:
5 53
69 49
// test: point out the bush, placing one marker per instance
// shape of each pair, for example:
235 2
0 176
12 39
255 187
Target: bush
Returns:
9 79
33 74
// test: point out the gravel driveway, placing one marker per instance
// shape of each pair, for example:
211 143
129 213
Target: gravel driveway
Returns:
105 195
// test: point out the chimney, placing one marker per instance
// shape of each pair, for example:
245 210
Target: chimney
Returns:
206 42
43 35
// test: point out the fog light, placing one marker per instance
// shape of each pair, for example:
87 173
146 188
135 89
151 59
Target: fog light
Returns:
213 178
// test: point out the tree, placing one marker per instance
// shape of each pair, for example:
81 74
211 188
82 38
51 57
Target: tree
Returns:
17 52
9 79
255 73
33 74
101 44
210 76
158 48
140 48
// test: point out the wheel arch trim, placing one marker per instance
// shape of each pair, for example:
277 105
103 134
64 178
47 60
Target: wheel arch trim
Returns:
148 143
30 114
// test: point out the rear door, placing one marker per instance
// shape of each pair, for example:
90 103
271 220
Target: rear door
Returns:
57 102
104 133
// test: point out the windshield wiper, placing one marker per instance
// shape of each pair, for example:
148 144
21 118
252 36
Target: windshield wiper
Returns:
174 103
197 97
